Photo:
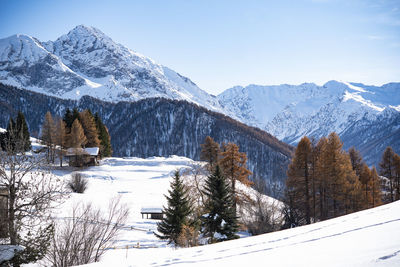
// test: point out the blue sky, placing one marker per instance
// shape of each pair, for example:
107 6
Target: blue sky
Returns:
219 44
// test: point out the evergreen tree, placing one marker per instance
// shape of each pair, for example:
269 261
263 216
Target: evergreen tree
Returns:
68 118
75 115
8 139
23 133
387 169
176 214
221 221
104 137
89 127
210 152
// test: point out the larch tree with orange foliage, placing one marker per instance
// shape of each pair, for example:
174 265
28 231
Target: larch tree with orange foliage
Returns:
299 178
233 165
387 169
210 152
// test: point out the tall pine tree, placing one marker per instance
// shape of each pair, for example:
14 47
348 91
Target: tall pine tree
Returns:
176 214
220 222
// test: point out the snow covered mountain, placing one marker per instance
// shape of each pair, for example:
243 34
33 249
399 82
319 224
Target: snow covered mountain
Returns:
87 62
289 112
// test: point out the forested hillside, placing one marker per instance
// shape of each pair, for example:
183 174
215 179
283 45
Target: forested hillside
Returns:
158 127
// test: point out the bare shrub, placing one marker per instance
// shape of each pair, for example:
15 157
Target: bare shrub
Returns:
77 183
83 238
262 214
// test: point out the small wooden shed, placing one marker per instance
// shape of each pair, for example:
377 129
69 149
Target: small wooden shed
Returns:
154 213
78 157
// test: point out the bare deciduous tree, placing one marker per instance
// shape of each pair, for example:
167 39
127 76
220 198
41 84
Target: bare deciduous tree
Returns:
83 237
31 192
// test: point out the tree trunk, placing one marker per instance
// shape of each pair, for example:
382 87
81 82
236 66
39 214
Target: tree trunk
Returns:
11 217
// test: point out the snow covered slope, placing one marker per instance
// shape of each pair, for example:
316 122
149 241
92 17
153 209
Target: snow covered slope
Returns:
366 238
290 112
87 62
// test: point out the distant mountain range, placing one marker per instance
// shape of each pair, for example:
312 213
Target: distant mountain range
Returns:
87 62
159 127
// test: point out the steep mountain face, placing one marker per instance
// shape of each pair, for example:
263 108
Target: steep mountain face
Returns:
87 62
291 112
158 127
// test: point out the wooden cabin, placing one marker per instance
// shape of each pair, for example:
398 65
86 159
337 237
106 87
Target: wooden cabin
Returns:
154 213
79 157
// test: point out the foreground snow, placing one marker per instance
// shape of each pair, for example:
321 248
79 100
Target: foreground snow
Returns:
367 238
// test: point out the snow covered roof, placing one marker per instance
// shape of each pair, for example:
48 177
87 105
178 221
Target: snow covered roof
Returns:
151 210
92 151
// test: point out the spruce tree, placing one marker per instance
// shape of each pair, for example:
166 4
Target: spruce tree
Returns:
104 137
220 223
177 212
23 133
10 136
68 118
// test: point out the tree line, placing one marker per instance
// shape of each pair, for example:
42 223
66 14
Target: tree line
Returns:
324 181
75 130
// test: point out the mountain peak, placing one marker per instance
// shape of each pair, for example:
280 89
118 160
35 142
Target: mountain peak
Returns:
21 47
84 30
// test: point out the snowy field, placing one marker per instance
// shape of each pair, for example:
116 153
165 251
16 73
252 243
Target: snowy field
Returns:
367 238
138 182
